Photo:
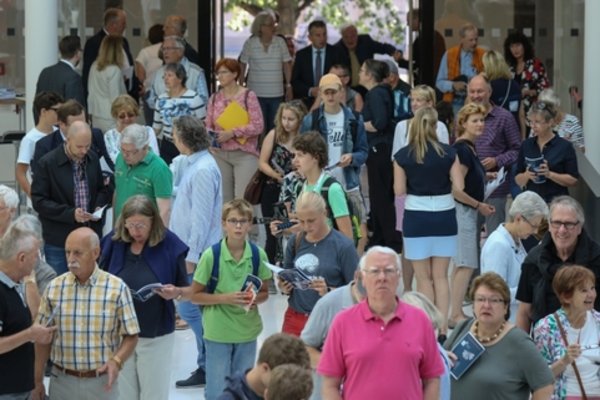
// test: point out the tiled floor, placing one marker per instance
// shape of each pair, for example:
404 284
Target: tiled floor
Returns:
184 356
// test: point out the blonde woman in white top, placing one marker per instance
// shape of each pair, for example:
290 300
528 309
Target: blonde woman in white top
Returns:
106 82
420 96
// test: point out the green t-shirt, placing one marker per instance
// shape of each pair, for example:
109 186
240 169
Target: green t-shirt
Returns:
151 177
226 323
336 197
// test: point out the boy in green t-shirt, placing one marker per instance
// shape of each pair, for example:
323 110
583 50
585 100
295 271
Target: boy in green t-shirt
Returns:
230 317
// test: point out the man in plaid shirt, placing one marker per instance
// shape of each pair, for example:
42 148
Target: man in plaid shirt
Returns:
97 328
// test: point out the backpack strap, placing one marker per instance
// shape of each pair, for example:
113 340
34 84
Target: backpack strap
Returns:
329 180
255 258
214 274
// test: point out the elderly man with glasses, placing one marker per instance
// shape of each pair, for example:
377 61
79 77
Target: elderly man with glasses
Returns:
141 171
381 340
566 243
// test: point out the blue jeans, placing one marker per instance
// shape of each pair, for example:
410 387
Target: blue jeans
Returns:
193 316
56 258
269 106
223 360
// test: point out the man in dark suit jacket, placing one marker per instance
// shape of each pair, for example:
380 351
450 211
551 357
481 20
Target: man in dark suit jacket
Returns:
305 77
68 113
115 22
66 189
355 49
61 77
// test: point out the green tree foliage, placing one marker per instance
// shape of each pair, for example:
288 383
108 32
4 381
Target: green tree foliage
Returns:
376 17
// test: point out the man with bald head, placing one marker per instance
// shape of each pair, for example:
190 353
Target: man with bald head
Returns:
497 147
96 326
176 25
67 188
355 49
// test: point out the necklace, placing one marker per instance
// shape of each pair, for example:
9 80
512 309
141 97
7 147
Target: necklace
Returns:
487 339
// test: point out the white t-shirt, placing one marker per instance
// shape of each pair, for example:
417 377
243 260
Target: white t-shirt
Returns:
335 142
27 146
588 335
401 135
148 58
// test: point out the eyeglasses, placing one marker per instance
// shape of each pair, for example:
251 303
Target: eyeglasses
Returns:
374 272
236 222
490 300
136 226
569 225
222 72
126 115
170 48
126 153
534 226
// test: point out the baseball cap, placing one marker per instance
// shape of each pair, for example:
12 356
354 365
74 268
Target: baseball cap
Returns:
330 81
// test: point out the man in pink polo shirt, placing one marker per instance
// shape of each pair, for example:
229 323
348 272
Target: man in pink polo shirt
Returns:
381 348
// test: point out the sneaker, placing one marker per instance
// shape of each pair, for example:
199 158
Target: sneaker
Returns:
196 379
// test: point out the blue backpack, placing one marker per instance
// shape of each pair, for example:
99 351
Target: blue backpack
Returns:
211 285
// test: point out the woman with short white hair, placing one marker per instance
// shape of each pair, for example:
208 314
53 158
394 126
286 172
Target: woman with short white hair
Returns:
503 252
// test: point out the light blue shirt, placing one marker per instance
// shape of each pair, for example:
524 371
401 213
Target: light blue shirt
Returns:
196 211
466 68
500 254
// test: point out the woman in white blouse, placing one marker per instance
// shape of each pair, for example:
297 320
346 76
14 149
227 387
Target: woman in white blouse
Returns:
503 252
106 82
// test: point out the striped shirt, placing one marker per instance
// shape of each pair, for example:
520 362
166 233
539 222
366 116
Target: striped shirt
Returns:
265 68
168 108
91 320
501 139
570 129
196 81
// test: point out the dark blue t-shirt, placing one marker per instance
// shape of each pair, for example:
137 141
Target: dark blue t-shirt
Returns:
432 177
561 158
475 178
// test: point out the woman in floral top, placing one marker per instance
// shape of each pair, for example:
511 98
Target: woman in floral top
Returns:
276 160
235 149
575 287
528 70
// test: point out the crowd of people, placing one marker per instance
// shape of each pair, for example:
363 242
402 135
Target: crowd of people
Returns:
136 222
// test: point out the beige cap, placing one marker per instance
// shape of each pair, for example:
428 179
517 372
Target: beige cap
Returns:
330 81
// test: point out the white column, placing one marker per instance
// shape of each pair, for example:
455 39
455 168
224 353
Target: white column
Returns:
591 82
41 45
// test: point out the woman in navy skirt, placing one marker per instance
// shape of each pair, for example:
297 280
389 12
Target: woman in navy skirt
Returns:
427 171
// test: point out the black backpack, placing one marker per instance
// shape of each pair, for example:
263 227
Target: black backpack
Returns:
352 212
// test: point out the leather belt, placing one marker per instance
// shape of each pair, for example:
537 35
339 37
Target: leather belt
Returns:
78 374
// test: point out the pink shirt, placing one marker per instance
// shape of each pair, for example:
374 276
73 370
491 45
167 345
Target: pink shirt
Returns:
245 137
379 361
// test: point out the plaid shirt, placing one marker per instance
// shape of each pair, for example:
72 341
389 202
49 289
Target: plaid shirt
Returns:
81 190
91 320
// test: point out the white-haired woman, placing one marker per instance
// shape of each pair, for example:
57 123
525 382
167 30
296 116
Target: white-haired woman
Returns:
266 65
503 252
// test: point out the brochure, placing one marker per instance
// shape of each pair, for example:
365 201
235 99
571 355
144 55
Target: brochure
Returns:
467 351
492 185
145 293
53 315
97 215
251 287
298 278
